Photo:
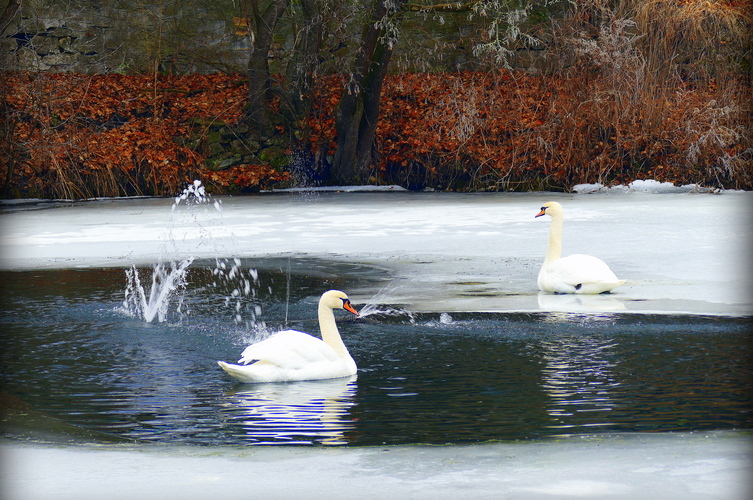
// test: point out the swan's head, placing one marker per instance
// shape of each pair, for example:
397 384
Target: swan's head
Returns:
335 299
551 208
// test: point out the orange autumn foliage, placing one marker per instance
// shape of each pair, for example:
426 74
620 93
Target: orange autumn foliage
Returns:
514 131
75 136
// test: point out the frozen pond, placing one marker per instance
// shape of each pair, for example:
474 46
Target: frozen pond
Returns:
454 344
680 253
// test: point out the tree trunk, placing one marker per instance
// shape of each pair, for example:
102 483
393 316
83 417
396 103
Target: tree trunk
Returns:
303 67
306 167
358 111
261 25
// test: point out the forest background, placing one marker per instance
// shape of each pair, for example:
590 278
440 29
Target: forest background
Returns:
120 98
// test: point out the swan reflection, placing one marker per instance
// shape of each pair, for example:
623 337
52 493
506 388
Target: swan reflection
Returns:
578 377
316 411
579 303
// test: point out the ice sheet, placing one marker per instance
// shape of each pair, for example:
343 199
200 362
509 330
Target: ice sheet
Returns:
680 252
670 466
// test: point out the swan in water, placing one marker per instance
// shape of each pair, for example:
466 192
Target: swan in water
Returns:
575 273
291 355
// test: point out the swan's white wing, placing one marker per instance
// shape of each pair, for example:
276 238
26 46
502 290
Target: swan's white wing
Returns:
289 356
585 269
578 274
289 349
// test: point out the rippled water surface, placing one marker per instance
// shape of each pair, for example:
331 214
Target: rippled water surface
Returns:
73 352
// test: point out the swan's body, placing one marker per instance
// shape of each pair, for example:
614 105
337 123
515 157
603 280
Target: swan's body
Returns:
291 355
573 274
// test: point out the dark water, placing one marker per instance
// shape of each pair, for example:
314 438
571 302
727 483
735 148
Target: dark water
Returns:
71 353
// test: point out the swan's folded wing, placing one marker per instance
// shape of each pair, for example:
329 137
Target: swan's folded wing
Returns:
289 349
580 273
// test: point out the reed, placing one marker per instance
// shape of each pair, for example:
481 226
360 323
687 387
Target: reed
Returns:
621 98
663 94
698 40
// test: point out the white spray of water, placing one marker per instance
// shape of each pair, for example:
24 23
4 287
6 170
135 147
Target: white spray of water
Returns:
192 194
374 307
242 287
165 282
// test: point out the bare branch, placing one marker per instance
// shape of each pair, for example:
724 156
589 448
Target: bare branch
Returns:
8 14
441 7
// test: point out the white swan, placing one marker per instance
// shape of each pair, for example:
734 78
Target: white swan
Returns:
573 274
291 355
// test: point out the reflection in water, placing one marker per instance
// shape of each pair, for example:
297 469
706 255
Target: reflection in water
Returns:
579 303
316 411
579 380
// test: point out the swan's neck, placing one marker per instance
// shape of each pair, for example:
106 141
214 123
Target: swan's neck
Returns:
330 334
554 249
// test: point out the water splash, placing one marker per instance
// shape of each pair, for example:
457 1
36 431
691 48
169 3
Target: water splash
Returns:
191 217
166 281
169 281
376 307
195 194
241 288
445 319
190 214
385 313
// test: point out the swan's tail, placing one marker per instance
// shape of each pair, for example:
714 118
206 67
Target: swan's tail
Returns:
236 371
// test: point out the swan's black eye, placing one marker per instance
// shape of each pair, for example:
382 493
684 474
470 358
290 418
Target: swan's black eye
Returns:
543 209
345 301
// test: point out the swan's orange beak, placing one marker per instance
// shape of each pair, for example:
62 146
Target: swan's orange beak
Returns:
349 308
543 212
